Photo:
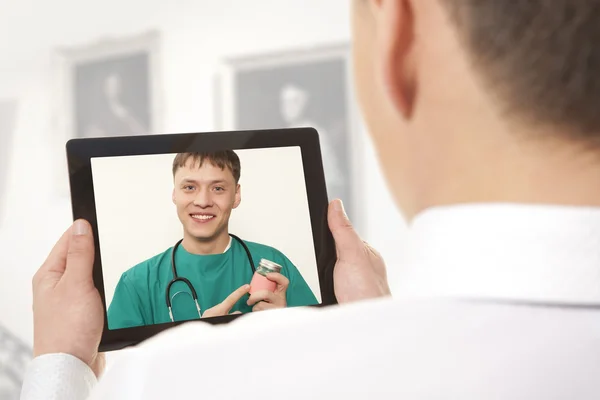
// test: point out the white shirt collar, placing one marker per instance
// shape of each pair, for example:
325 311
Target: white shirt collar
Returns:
504 251
228 245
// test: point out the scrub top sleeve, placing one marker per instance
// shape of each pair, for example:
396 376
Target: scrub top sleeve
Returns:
125 309
298 293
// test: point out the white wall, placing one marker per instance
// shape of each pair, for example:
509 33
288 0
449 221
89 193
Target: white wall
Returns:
196 34
137 219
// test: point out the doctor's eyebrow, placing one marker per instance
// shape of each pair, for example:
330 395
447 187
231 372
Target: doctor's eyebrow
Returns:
213 182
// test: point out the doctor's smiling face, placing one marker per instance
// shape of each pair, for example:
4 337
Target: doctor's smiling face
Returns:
205 191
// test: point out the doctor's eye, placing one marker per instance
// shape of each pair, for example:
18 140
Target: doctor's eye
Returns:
188 187
219 188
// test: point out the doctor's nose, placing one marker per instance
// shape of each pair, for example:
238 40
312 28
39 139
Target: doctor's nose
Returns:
203 199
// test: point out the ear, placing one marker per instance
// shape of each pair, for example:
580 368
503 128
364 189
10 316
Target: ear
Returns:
395 52
238 196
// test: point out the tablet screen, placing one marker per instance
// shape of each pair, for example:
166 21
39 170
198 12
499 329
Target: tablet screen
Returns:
217 221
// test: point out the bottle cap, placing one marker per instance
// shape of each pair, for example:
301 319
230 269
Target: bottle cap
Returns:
270 265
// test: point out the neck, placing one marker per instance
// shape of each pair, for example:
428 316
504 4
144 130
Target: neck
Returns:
201 247
537 171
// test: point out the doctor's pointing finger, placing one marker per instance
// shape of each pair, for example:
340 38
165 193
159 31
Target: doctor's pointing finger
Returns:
225 307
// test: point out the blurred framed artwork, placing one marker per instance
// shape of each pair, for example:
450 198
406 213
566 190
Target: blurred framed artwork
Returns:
14 358
8 116
307 87
108 88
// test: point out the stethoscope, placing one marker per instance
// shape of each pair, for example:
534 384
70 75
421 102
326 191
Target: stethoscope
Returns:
177 278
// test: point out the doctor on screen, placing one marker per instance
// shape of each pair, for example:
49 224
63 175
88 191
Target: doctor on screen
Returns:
206 274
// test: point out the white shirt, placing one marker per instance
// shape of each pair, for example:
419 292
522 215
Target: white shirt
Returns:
497 302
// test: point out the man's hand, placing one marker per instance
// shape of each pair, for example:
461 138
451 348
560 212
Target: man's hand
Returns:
224 307
359 272
265 300
67 311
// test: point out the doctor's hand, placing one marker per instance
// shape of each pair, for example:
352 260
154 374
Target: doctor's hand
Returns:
68 316
225 307
266 300
359 272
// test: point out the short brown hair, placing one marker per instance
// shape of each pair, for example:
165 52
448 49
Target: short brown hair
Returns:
540 57
222 159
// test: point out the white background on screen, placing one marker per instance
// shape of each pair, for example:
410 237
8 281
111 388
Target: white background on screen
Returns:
137 218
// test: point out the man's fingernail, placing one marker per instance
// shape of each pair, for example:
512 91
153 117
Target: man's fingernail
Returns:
339 206
80 228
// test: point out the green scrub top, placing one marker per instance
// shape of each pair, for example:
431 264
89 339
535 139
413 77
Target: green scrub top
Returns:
139 297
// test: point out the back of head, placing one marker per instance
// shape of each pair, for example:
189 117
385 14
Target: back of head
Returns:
479 101
540 58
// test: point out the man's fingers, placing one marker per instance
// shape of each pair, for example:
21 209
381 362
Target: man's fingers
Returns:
279 279
234 297
57 259
263 295
347 242
80 255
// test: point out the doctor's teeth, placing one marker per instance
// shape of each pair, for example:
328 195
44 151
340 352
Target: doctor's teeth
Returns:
202 216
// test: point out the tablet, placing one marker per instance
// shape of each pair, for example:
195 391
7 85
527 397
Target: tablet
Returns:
184 223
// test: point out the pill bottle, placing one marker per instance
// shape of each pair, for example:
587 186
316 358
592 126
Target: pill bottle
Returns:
259 281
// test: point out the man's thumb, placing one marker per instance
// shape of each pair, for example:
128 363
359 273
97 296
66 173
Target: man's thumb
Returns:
80 256
347 241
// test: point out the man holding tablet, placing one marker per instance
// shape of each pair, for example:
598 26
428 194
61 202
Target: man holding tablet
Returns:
484 114
216 264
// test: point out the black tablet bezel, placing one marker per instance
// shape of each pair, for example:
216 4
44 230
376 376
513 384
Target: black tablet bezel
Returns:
81 151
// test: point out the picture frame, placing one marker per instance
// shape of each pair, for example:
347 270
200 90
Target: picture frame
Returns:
110 87
8 120
15 356
275 90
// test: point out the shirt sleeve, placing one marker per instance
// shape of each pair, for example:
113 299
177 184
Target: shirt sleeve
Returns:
58 377
125 309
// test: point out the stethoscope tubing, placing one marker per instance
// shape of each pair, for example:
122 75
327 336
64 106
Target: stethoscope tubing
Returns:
177 278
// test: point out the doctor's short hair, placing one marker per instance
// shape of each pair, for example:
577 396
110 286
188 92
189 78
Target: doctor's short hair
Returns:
221 159
540 59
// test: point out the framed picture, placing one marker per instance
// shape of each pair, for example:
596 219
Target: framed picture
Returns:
14 358
303 88
108 88
8 116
